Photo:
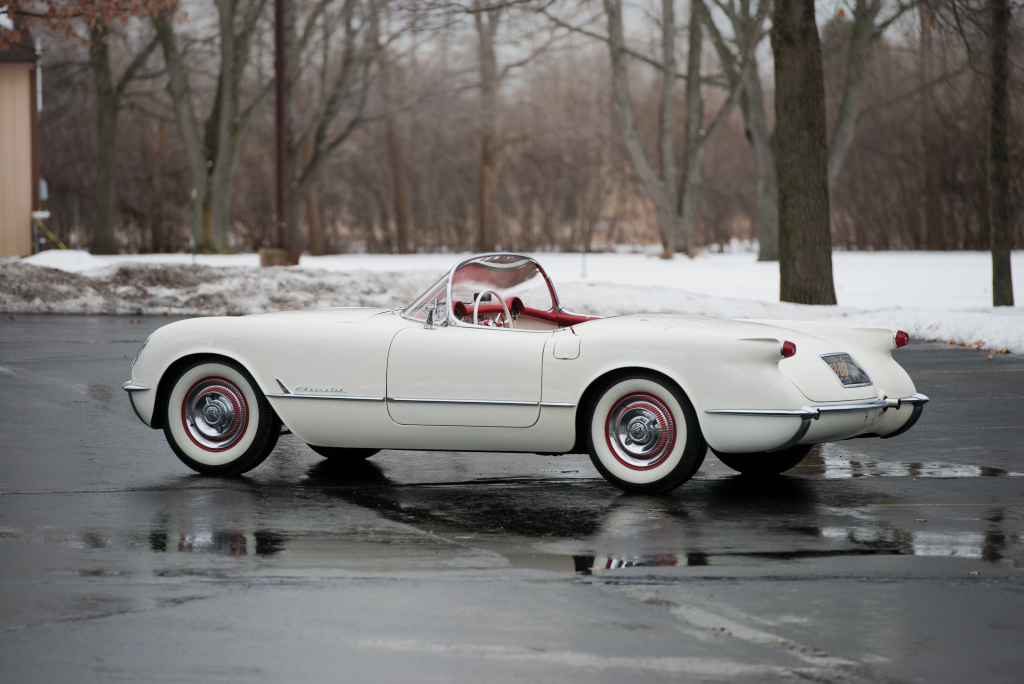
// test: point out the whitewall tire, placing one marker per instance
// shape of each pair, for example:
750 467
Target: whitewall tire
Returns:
217 420
643 435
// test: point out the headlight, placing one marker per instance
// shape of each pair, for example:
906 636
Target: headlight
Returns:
137 355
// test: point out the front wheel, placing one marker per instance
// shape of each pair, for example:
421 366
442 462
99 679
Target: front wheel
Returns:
766 462
216 419
643 435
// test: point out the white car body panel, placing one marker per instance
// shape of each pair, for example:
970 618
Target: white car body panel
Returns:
372 378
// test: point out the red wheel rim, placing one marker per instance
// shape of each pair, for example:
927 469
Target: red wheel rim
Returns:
214 414
640 431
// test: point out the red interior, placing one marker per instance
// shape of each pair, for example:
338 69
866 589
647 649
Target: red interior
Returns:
560 319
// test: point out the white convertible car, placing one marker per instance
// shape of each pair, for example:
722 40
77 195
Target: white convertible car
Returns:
488 360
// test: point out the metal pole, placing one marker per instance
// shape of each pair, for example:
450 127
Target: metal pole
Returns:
282 153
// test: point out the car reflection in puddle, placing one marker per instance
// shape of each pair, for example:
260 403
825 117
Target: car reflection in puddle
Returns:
232 543
581 526
837 461
587 527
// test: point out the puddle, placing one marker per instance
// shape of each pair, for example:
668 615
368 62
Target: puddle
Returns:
834 462
218 542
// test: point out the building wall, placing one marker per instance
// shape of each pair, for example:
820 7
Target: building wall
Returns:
16 172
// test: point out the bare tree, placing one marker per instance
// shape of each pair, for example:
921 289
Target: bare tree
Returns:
675 209
805 241
103 21
934 228
213 145
867 27
989 22
334 99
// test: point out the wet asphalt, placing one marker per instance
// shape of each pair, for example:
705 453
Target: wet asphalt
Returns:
874 560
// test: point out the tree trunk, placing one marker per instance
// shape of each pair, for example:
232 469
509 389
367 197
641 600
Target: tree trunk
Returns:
694 133
402 237
222 186
934 230
998 154
653 186
666 116
292 212
157 228
107 102
805 243
486 27
313 218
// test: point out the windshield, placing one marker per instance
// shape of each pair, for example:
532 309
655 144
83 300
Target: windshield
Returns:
507 275
497 290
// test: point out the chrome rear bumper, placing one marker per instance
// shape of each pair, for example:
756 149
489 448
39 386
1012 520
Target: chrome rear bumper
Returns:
808 413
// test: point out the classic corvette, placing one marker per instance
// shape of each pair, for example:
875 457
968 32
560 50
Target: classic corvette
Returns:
486 359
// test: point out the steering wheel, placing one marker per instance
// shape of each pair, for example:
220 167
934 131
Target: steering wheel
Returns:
509 323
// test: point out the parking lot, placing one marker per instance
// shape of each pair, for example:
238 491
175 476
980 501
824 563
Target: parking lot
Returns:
874 560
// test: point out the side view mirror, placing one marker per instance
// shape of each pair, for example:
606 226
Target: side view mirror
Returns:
441 312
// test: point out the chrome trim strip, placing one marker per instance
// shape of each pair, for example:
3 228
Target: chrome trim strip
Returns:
558 404
865 406
129 387
501 402
803 413
332 397
284 386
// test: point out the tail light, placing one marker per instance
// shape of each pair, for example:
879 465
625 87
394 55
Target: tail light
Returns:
788 349
902 338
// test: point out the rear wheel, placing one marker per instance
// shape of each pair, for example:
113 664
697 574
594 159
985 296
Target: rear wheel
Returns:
217 420
765 462
341 454
643 435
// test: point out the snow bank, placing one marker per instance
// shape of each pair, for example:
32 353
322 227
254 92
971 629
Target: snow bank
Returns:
929 294
865 280
137 289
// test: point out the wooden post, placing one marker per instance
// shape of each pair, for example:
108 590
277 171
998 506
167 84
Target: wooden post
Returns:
280 255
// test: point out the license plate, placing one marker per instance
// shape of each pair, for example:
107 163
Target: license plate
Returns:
847 370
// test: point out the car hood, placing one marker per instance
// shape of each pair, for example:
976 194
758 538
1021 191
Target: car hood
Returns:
333 315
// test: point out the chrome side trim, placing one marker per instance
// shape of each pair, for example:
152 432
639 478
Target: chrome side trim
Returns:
804 412
558 404
283 386
332 397
500 402
129 387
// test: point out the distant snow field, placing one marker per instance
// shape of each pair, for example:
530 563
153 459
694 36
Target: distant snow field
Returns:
941 295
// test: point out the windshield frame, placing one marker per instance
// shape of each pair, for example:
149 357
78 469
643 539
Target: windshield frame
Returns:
449 319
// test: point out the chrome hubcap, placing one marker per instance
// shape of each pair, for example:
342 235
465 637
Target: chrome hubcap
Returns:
641 431
215 413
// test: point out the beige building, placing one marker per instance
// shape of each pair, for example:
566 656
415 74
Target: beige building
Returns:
19 147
